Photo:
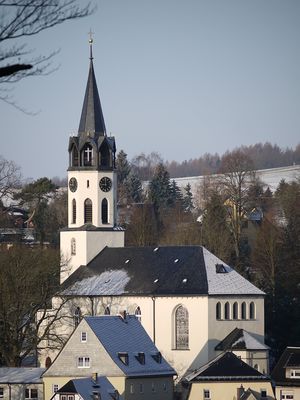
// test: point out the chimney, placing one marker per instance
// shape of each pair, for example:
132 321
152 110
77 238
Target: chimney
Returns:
94 376
240 392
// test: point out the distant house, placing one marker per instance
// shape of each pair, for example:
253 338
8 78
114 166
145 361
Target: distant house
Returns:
21 383
286 375
93 388
246 347
227 377
116 347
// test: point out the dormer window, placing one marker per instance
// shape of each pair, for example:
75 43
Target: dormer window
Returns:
220 269
123 357
157 357
140 357
104 156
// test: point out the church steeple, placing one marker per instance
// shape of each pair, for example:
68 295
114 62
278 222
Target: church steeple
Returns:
92 120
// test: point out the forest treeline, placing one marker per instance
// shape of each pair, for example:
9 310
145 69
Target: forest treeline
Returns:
264 156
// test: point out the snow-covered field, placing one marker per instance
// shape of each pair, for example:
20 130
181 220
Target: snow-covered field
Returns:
271 177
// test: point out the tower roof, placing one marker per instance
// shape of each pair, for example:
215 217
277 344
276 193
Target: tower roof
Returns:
92 120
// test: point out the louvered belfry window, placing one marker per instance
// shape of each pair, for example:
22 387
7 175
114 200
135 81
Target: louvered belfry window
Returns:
88 211
181 328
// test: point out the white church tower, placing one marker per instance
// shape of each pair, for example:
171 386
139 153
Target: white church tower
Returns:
92 187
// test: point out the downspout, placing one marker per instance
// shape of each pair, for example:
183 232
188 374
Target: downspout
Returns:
153 317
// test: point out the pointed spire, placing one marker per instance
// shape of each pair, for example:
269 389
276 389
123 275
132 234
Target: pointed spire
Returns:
92 120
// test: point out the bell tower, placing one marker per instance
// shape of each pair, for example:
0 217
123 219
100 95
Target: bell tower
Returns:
92 186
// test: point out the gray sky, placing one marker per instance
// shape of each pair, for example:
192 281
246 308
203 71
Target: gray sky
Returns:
178 77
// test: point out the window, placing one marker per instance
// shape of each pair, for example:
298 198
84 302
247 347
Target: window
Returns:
286 395
138 314
83 337
141 388
107 311
1 392
243 310
31 394
263 393
140 357
77 316
153 389
206 394
104 156
235 311
252 310
131 388
227 311
181 328
73 211
83 362
87 183
48 362
55 388
165 388
104 211
87 155
74 157
88 211
73 246
218 310
295 373
157 357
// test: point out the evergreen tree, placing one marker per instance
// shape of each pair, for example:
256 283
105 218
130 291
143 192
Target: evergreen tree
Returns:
160 191
188 199
123 167
176 194
134 188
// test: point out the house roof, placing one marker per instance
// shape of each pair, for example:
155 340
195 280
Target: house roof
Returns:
147 271
126 336
21 375
87 386
290 358
240 339
226 367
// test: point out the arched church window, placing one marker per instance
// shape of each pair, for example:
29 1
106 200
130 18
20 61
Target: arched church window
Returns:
104 211
138 314
218 310
104 156
87 155
227 311
75 158
88 211
73 211
235 311
107 311
48 362
73 246
252 310
181 328
243 310
77 316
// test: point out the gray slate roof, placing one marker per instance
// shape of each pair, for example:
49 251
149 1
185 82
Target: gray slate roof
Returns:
87 386
128 336
177 270
240 339
21 375
290 358
226 367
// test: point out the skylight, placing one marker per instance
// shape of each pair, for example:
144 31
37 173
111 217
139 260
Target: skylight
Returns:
184 280
176 260
127 261
156 248
155 280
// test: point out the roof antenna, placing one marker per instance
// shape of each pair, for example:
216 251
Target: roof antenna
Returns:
91 43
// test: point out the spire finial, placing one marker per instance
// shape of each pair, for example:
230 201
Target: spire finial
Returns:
91 43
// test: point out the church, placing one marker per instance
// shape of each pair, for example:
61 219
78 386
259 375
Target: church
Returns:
191 304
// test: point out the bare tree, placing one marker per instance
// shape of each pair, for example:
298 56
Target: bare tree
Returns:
237 176
20 19
28 280
10 178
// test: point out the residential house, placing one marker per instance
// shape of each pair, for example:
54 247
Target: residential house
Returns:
227 377
286 375
119 348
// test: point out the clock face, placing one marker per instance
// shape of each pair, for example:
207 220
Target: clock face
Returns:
105 184
73 184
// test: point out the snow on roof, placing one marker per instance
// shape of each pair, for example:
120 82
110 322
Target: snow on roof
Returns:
21 375
230 282
107 283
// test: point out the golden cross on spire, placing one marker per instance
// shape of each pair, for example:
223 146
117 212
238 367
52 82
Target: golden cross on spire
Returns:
91 43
